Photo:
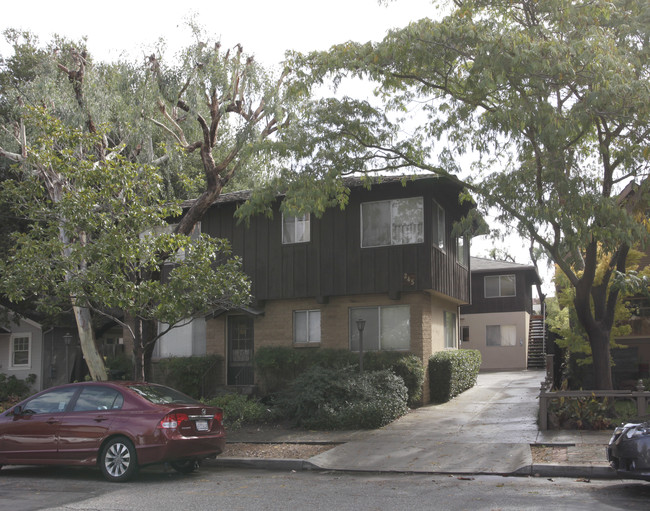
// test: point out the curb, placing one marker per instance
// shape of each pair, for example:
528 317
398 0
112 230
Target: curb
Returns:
539 470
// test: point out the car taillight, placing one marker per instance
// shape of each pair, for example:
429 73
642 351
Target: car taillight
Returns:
173 420
218 416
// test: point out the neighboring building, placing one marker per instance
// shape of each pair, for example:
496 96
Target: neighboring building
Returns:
53 354
388 258
498 321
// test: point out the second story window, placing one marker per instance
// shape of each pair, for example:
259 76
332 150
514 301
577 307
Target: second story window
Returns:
295 229
392 222
497 286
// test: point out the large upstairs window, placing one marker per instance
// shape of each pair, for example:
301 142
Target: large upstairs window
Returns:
392 222
498 286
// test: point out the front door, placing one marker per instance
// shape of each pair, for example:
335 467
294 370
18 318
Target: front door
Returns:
240 350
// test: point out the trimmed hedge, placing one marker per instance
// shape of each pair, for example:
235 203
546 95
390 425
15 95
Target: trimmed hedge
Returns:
452 372
327 398
195 376
277 367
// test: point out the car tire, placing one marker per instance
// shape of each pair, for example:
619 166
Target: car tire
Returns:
118 460
184 466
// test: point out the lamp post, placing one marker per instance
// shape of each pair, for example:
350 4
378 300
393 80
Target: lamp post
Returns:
67 340
361 323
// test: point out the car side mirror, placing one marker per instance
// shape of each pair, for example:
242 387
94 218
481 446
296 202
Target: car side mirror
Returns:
17 411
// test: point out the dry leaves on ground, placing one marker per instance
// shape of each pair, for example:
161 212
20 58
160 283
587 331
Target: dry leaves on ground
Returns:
286 451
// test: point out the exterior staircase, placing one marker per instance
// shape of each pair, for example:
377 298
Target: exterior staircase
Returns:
537 343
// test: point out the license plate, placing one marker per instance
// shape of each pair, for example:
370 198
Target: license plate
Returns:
202 425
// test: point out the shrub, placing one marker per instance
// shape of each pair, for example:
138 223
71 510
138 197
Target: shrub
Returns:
239 409
119 367
195 376
277 367
341 398
452 372
406 365
580 413
13 390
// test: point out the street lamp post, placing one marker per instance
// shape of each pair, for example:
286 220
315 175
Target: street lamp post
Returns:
361 323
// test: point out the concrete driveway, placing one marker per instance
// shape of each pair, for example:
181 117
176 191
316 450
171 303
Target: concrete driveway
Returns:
487 429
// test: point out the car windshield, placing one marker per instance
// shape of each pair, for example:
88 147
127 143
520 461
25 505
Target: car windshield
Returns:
160 395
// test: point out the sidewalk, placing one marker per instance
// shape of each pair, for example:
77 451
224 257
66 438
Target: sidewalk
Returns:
488 429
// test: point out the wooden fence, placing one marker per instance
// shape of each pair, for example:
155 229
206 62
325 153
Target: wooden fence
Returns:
639 396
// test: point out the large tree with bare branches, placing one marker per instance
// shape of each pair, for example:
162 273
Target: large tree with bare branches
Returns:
203 118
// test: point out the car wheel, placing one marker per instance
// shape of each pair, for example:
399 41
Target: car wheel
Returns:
118 460
184 466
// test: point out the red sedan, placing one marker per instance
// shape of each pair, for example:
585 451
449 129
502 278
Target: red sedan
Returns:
118 425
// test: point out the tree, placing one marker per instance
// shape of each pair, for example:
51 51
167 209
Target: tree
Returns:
204 121
98 241
552 97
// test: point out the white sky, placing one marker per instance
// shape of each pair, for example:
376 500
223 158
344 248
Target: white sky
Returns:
265 28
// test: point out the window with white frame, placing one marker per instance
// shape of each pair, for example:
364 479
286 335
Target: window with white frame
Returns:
392 222
497 286
20 351
450 329
306 326
386 328
295 229
438 223
501 335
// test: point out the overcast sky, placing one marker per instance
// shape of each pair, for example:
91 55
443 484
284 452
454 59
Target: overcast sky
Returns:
266 28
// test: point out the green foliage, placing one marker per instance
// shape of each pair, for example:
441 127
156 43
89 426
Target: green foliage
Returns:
327 398
452 372
278 366
409 367
102 235
191 375
239 410
14 389
580 413
119 367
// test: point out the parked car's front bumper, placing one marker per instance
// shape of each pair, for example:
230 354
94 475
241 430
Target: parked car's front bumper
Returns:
628 451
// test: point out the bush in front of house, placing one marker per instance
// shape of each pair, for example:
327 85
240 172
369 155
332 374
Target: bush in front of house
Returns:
194 376
13 390
452 372
405 365
239 410
342 398
278 366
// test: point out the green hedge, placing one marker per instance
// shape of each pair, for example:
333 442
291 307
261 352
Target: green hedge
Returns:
277 367
195 376
342 398
452 372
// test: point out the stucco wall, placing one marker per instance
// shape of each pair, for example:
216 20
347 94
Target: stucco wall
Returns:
498 357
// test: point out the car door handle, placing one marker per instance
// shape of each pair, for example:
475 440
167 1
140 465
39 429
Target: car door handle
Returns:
53 421
100 418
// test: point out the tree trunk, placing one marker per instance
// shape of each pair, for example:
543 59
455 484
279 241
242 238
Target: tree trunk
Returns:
88 345
600 351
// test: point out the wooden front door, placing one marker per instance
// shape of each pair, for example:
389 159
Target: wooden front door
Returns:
240 350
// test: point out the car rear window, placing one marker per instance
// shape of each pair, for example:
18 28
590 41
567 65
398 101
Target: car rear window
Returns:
161 395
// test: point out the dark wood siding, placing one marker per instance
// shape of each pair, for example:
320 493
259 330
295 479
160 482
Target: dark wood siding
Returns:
523 301
333 263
